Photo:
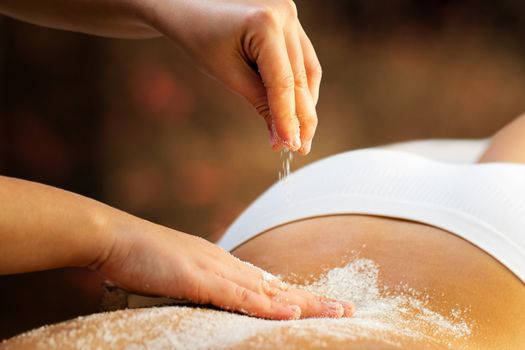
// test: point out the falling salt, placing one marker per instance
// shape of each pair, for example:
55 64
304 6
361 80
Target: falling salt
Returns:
390 318
284 173
286 160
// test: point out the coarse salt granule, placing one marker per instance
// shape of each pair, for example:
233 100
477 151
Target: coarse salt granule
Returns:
383 317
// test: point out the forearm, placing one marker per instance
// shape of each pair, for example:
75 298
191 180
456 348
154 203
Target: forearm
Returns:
257 48
42 227
114 18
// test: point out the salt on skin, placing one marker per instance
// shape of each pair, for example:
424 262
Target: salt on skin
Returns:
388 319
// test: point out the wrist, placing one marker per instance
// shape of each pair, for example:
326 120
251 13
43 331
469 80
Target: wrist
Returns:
104 222
119 232
176 19
132 19
148 13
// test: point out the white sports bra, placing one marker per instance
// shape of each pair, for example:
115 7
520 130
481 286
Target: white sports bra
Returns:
482 203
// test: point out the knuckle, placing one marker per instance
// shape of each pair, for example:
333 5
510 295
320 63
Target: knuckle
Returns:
287 82
199 293
312 304
290 8
301 80
263 16
316 70
264 110
241 294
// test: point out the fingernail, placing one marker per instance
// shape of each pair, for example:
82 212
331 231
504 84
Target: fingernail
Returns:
349 308
296 312
268 289
335 310
306 147
297 141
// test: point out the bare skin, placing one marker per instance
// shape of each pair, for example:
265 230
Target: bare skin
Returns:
451 270
424 257
257 48
50 228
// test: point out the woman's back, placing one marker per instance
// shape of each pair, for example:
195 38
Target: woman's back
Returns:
414 286
479 300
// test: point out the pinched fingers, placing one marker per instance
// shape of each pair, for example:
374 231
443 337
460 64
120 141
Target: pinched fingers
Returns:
288 68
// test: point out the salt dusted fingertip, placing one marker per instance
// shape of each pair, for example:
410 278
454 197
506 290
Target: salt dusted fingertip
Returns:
296 312
349 309
268 289
283 286
334 309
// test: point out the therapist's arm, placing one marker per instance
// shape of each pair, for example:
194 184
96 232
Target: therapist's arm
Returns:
257 48
42 227
113 18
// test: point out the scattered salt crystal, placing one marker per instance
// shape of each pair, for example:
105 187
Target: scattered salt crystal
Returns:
385 317
265 275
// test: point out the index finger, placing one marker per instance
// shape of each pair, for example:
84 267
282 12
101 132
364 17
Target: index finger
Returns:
278 79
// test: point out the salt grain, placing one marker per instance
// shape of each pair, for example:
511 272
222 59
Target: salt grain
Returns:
286 160
387 318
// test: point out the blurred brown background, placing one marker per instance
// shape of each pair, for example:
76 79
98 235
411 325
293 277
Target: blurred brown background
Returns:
135 125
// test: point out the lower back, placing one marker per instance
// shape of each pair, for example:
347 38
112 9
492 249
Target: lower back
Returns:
448 278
